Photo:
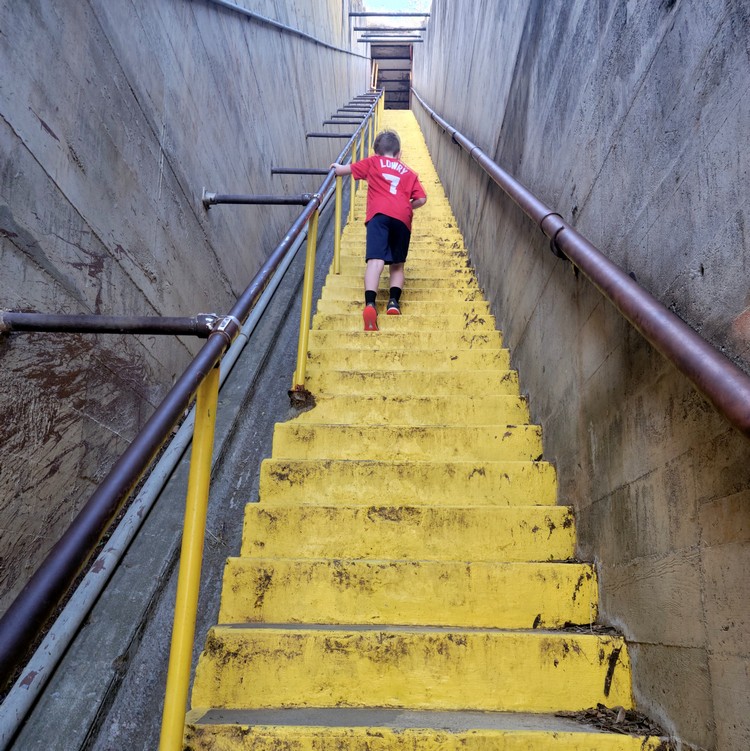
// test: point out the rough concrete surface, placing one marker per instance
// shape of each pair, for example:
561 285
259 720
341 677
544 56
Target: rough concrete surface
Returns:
630 119
113 118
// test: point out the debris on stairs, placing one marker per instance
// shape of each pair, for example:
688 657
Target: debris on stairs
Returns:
406 576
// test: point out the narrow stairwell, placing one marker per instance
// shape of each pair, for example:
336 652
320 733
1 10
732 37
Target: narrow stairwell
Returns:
406 578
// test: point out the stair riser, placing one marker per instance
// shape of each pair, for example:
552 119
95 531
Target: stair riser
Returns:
290 738
407 340
424 256
385 359
415 593
500 671
439 483
410 294
428 410
436 285
423 533
415 269
408 307
513 443
410 383
353 322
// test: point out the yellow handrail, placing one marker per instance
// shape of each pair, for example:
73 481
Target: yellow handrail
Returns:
337 227
191 560
307 300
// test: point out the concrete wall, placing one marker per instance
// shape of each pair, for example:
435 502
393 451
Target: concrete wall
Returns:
113 117
631 120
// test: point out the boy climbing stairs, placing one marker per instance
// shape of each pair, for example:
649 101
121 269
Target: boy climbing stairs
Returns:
406 580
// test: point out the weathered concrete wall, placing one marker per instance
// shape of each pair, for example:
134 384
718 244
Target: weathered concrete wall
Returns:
630 119
113 116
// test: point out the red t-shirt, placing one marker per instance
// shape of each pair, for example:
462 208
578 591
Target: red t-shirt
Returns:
391 185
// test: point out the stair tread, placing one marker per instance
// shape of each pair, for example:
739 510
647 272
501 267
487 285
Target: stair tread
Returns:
455 721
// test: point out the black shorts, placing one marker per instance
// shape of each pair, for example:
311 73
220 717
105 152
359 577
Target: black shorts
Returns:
387 239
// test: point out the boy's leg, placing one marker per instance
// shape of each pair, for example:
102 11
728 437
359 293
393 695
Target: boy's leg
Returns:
372 281
372 274
397 275
396 284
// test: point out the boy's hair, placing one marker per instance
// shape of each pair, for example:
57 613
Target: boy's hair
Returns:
387 142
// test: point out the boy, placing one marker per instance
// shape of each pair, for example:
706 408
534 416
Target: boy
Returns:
393 192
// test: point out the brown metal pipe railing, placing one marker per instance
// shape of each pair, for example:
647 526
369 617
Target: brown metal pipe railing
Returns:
391 42
331 135
212 199
714 375
200 326
389 28
28 613
389 15
298 171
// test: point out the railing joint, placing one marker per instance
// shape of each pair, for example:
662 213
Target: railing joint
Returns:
228 326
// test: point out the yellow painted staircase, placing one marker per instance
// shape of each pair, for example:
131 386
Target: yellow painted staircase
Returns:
406 579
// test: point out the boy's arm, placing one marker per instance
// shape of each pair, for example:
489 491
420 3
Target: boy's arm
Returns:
418 195
342 169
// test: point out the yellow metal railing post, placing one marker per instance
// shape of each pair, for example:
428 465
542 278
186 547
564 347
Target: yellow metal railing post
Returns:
362 144
352 186
307 300
337 227
191 559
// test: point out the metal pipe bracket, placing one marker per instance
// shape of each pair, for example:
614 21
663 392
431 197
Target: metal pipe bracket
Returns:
228 326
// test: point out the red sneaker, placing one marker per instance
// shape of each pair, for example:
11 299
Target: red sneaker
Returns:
370 315
393 309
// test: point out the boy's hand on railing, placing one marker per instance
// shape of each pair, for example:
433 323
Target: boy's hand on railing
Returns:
341 169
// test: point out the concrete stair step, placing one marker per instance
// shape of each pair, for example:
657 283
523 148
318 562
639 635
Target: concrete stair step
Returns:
293 440
253 666
420 268
408 307
476 594
439 533
417 410
421 322
505 483
425 254
354 293
413 382
353 278
408 340
342 358
345 729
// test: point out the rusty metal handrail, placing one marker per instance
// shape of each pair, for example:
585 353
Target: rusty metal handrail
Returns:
713 374
200 325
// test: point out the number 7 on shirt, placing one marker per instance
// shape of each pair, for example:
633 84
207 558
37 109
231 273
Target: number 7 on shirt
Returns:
394 180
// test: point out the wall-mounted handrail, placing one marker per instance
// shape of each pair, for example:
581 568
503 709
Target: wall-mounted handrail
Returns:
725 385
370 14
213 199
200 326
298 171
